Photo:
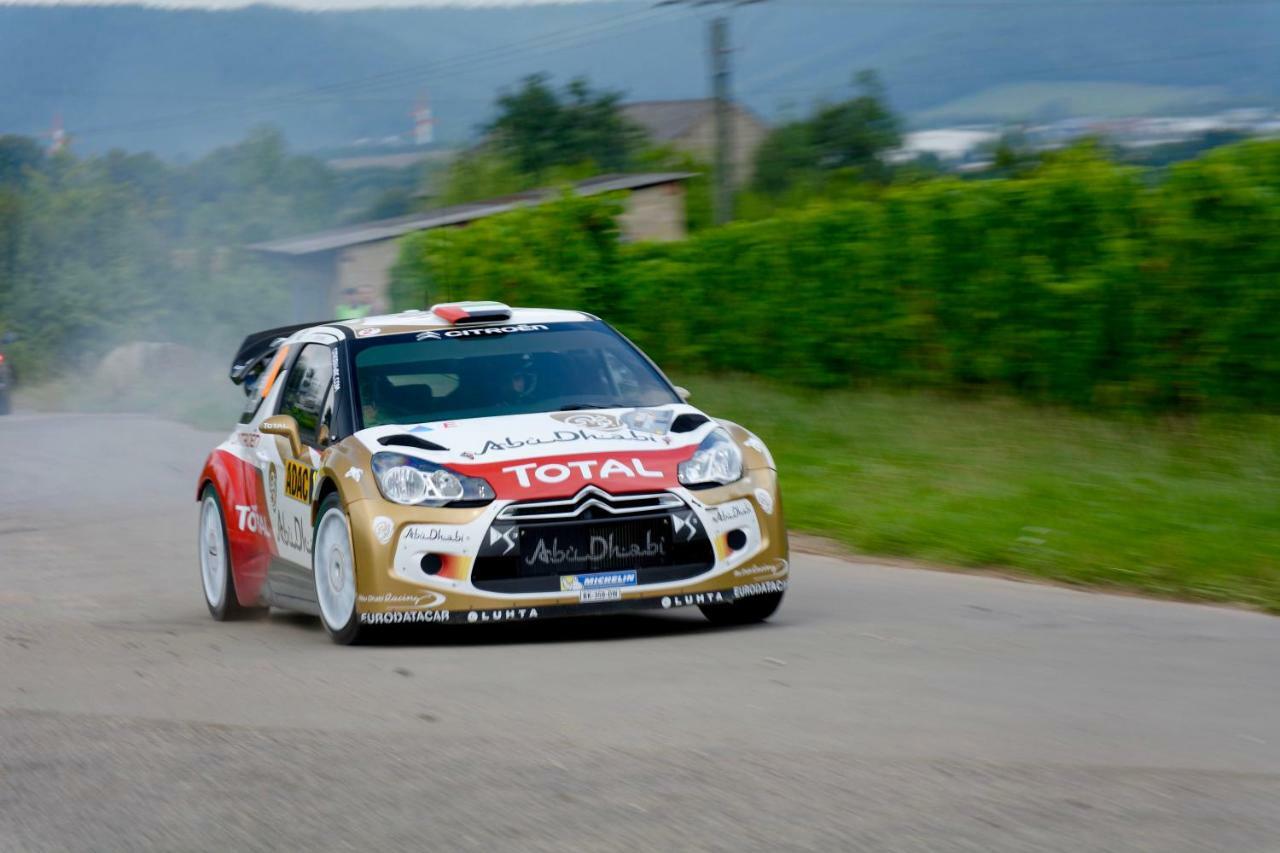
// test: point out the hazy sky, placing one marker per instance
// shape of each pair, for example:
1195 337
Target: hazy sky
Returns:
310 5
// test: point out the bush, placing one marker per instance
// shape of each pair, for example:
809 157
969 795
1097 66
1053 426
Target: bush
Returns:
1080 282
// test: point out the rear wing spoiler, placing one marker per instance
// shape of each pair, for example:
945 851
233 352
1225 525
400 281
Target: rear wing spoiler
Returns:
259 347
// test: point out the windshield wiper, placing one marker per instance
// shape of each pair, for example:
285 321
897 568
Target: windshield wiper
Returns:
575 407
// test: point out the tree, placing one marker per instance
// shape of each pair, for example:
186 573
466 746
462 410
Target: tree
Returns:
18 154
850 135
856 132
785 154
538 128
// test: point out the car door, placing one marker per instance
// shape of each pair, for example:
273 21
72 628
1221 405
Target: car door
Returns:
291 478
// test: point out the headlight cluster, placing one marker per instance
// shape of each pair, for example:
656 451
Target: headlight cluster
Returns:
717 461
416 482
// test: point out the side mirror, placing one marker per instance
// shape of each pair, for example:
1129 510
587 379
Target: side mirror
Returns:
684 393
286 426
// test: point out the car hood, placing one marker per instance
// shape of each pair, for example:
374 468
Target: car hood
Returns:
556 453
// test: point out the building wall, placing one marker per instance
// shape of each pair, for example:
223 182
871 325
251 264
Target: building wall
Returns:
748 133
654 213
311 285
650 213
366 265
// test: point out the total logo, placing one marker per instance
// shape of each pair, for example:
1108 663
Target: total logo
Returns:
557 472
251 518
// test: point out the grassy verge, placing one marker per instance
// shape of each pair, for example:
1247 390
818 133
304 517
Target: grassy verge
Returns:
1188 508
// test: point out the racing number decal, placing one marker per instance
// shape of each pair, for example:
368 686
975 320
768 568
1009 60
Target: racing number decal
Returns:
298 480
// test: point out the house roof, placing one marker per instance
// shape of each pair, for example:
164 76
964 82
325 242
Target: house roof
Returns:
668 120
386 229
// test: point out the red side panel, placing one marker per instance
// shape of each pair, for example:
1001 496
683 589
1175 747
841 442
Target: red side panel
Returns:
243 495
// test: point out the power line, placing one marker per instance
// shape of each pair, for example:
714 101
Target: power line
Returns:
719 53
1023 4
119 95
556 40
347 91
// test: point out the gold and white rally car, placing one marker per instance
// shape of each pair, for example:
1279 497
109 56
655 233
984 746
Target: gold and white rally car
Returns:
477 463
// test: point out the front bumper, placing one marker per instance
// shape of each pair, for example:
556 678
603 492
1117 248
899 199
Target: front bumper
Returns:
530 612
741 525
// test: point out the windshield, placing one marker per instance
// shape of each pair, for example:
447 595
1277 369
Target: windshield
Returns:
481 372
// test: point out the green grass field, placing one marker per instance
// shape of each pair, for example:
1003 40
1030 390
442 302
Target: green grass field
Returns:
1187 508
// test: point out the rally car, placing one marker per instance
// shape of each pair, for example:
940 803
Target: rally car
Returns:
475 463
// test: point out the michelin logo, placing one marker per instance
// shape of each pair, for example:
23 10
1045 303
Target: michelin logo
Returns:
600 580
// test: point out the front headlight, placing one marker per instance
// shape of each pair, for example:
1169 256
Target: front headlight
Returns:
416 482
717 461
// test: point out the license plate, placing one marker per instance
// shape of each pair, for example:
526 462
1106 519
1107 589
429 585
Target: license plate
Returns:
600 595
573 549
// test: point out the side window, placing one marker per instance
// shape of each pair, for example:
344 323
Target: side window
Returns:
258 383
250 405
306 391
325 434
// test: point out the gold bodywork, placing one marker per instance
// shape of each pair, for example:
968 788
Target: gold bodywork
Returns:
378 585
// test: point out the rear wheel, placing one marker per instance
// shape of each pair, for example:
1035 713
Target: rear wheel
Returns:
334 566
215 560
757 608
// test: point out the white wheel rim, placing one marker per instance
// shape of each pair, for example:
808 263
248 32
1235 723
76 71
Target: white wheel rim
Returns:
213 555
334 570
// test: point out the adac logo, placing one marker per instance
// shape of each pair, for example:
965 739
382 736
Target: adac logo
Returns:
298 480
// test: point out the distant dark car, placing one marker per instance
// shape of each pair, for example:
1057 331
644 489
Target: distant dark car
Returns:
6 383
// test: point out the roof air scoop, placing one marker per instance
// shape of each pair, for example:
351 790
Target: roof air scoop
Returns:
471 312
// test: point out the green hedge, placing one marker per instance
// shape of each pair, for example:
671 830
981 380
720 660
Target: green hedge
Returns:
1085 283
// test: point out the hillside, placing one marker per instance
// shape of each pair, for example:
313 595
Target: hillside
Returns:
182 82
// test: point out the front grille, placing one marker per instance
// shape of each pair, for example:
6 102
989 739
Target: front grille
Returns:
591 503
531 544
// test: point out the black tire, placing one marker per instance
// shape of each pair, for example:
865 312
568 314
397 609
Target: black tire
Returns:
757 608
352 633
229 607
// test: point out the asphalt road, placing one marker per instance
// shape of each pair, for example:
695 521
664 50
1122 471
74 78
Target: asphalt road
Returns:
882 709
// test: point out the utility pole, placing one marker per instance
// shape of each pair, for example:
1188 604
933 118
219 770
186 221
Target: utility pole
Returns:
723 200
722 195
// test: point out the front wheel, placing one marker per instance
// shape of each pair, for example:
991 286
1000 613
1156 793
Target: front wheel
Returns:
215 560
757 608
334 566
